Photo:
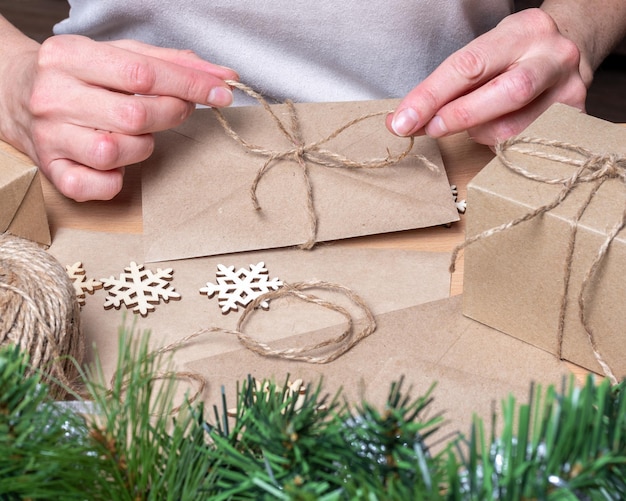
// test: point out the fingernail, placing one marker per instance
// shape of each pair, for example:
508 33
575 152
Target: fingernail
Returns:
436 127
405 122
220 96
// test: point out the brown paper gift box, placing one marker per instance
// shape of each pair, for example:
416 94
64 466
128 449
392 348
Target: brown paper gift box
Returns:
515 280
22 210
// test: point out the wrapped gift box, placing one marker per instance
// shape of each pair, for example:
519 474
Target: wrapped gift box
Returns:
22 210
556 280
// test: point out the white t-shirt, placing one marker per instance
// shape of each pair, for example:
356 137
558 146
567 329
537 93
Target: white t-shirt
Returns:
305 50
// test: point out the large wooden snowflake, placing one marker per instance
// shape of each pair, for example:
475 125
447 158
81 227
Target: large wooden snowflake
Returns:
139 289
241 287
82 285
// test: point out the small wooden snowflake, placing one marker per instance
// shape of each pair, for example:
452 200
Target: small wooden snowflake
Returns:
81 284
461 205
241 287
139 289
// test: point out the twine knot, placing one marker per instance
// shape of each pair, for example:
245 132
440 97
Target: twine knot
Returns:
309 153
300 152
590 167
608 165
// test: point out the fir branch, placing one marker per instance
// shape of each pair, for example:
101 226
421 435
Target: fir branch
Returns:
146 453
567 444
278 441
392 448
43 450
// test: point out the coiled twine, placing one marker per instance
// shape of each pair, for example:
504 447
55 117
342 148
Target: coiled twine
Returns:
39 311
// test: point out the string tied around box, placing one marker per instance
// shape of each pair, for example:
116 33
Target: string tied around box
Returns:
305 154
589 167
321 352
39 312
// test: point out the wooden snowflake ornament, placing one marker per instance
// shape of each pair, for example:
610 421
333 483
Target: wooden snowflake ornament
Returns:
139 289
461 205
241 287
81 284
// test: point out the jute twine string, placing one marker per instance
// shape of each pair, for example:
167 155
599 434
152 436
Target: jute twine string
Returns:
39 311
334 346
305 154
337 345
590 167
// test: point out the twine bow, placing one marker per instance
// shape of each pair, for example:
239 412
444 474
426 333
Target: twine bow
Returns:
305 154
590 167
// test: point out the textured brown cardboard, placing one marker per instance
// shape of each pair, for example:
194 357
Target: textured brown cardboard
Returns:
196 185
22 210
514 280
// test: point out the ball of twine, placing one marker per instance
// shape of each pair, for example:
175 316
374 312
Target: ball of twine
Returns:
39 311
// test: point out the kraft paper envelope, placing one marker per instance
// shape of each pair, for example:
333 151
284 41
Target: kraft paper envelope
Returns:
530 283
474 366
196 185
22 209
386 280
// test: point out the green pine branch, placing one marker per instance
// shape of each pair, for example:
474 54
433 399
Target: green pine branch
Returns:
567 445
146 452
280 444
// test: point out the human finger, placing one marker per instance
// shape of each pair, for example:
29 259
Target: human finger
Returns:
511 124
469 68
63 99
82 183
462 72
105 65
97 149
181 57
508 92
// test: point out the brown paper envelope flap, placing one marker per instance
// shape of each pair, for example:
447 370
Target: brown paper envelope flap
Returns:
473 365
14 183
231 218
198 164
31 220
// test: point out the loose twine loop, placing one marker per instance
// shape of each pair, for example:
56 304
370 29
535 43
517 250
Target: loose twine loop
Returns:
334 346
590 167
305 154
39 312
